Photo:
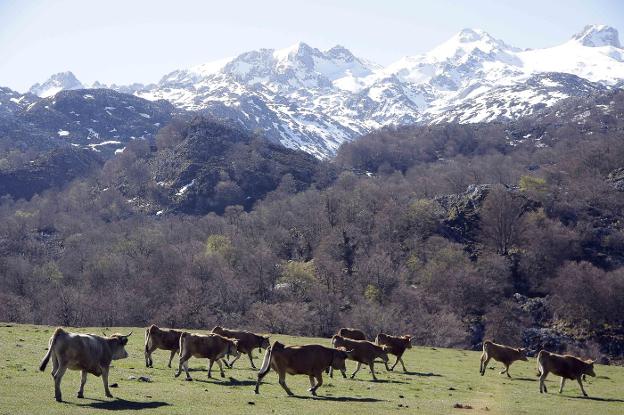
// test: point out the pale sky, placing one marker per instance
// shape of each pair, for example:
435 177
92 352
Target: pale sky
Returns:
141 40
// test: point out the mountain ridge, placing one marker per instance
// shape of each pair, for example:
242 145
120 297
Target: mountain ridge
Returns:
315 100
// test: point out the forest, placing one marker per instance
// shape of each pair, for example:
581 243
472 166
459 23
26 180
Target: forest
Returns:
453 233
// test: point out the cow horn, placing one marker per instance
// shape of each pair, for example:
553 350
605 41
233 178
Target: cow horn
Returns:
128 335
104 333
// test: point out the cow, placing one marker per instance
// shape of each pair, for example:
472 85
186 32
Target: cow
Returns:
156 338
88 353
247 342
212 346
350 333
501 353
395 345
566 366
362 351
311 360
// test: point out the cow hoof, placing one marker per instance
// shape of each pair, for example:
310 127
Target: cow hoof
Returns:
58 399
79 396
222 375
188 379
108 395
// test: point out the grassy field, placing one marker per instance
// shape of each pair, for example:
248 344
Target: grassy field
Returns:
438 380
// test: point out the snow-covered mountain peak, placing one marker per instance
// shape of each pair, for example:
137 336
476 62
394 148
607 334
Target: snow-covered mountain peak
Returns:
467 42
57 82
598 35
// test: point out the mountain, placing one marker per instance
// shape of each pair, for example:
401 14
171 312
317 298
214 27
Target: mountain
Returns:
315 100
102 120
58 82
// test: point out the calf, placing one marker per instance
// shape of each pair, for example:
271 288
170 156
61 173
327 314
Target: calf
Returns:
85 352
156 338
309 360
395 345
350 333
247 342
501 353
566 366
212 346
363 352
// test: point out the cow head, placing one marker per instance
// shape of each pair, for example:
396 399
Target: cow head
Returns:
336 340
338 360
117 343
384 354
589 368
523 353
408 341
264 342
232 347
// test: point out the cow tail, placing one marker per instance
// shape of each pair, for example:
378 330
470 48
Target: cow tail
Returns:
539 364
47 356
182 336
266 363
147 337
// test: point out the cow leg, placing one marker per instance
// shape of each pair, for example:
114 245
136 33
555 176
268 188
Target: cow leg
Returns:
149 362
561 384
105 382
210 363
83 380
484 362
251 360
260 377
282 382
183 364
319 382
541 382
395 363
312 384
173 352
236 357
221 368
58 376
580 382
359 365
403 364
372 370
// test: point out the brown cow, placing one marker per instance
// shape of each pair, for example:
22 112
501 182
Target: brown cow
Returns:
85 352
501 353
395 345
211 346
311 360
156 338
247 342
350 333
362 351
566 366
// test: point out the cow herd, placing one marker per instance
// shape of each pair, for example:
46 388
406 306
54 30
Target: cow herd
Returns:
93 354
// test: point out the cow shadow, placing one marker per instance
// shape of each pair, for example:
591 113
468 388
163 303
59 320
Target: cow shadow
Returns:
226 381
525 379
593 398
338 398
421 374
123 405
380 381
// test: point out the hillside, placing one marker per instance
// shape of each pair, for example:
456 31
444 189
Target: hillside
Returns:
438 380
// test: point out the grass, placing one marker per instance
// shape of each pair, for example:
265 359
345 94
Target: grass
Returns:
438 380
